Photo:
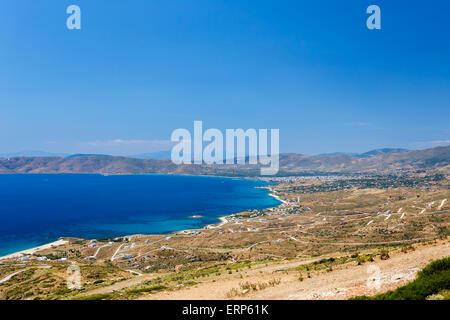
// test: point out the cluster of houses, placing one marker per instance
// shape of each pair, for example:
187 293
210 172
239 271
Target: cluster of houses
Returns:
26 258
296 179
336 183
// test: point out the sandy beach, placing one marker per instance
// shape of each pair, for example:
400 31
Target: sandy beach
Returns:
278 198
223 219
272 194
34 250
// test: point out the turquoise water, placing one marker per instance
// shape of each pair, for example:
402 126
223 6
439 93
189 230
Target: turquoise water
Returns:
37 209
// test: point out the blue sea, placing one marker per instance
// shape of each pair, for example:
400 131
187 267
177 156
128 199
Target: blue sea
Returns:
39 208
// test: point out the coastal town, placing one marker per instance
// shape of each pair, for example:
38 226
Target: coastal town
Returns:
324 226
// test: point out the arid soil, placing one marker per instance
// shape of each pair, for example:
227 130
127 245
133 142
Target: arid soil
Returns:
343 282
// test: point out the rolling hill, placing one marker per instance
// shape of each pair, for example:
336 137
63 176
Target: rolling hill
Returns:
290 164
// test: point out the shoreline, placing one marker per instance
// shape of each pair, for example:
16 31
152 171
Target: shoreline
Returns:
32 251
278 198
222 219
272 194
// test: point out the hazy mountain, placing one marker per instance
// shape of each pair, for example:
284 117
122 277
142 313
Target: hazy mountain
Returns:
77 155
339 154
154 155
383 162
290 164
381 151
32 153
366 154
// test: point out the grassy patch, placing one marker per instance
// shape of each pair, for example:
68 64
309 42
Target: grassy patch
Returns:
150 289
103 296
323 264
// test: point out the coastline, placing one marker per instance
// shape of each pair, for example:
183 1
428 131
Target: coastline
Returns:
278 198
31 251
222 219
54 244
272 194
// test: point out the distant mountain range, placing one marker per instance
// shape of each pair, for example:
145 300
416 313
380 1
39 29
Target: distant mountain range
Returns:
32 153
368 153
377 161
167 154
154 155
381 151
36 153
77 155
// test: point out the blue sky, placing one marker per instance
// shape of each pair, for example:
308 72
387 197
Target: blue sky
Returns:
139 69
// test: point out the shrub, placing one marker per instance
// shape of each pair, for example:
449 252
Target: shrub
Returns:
384 255
406 249
360 260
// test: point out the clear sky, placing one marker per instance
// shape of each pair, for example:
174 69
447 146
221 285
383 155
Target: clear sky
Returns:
138 69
